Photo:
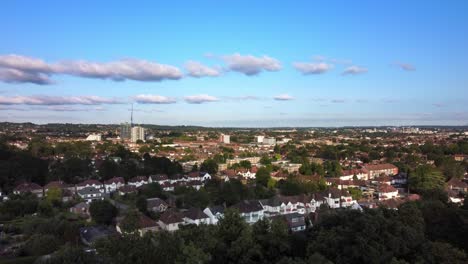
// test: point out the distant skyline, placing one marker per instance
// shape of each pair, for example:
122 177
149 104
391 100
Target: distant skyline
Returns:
235 63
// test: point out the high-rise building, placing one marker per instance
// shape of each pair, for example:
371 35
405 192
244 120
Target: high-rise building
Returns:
269 141
226 139
125 131
259 139
138 133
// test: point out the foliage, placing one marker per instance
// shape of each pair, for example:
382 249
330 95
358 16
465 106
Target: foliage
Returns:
102 211
426 178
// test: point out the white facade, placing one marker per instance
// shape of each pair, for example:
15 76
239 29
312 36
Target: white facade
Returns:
269 141
226 139
259 139
138 133
94 137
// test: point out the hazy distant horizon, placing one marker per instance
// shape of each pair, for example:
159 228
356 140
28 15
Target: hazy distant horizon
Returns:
236 64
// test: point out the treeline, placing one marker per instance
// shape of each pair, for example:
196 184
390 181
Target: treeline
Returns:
418 232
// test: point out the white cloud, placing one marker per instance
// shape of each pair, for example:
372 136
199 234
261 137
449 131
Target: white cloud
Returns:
312 67
133 69
251 65
153 99
19 76
16 68
199 99
196 69
24 63
57 100
283 97
354 70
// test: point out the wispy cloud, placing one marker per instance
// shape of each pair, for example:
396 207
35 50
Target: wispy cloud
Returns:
18 76
197 70
199 99
283 97
308 68
354 70
57 100
153 99
338 101
405 66
251 65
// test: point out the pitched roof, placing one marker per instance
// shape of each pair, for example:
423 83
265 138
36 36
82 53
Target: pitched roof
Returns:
128 189
155 202
88 190
89 182
28 187
247 206
454 182
385 188
384 166
195 213
146 222
115 180
171 217
159 177
138 179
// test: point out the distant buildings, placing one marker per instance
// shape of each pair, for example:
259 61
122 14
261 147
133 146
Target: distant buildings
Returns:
94 137
259 139
226 139
138 133
269 141
125 131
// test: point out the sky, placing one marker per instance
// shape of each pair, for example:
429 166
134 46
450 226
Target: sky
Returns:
235 63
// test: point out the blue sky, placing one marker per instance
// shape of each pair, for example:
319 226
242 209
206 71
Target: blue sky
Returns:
256 63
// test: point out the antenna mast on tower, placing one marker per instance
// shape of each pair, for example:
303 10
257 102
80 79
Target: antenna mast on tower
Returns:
131 118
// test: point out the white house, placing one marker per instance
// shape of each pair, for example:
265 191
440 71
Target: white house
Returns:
90 193
114 184
170 220
250 210
138 181
385 192
215 213
90 183
196 216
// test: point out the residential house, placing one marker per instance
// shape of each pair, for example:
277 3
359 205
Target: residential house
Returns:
156 205
138 181
127 189
400 179
113 184
360 174
336 198
196 216
376 170
90 194
386 191
158 178
29 187
145 225
250 210
215 213
80 209
295 221
170 220
90 183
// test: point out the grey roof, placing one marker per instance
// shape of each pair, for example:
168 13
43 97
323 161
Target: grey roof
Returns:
90 234
248 206
218 209
88 190
155 202
295 220
195 213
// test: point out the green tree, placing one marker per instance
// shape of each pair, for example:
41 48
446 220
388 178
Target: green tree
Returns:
262 176
102 211
425 178
209 166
